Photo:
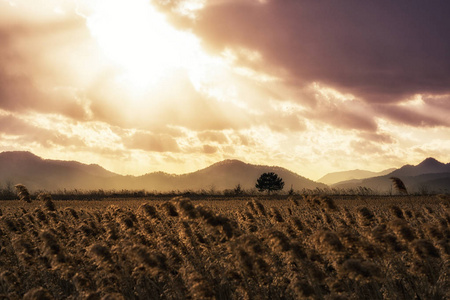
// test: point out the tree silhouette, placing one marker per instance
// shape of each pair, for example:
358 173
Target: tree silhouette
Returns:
238 190
269 182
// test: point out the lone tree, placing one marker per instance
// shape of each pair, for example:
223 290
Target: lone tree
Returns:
269 182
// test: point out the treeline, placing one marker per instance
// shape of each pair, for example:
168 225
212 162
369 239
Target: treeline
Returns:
8 192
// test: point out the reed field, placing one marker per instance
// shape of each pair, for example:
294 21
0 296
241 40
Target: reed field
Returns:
299 247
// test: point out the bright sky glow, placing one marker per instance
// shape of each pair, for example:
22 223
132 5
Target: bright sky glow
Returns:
147 85
138 38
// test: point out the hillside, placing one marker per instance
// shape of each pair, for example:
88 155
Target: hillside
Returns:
428 176
428 166
219 176
37 173
43 174
336 177
227 174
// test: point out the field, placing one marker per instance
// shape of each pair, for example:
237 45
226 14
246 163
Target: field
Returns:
312 247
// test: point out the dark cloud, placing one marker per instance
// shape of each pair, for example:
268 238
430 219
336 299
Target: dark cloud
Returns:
439 102
329 107
35 67
343 116
382 138
413 116
18 93
380 51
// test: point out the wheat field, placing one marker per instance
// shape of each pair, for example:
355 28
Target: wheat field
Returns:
306 247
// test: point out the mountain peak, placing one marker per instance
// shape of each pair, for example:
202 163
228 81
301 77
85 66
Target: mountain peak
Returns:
427 166
357 174
230 161
19 155
227 162
430 161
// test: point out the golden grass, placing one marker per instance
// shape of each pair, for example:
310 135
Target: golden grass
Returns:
300 248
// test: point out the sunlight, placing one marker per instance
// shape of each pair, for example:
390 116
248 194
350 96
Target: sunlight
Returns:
148 53
139 40
330 93
190 7
415 101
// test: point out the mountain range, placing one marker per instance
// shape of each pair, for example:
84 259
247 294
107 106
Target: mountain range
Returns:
335 177
52 175
428 176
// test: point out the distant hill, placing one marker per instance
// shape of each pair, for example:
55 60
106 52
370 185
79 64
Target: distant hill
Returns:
42 174
227 174
37 173
428 176
219 176
428 166
332 178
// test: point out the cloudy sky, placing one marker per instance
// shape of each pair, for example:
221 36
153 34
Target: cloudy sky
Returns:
171 85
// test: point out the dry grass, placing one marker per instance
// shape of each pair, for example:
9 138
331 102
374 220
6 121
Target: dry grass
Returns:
301 248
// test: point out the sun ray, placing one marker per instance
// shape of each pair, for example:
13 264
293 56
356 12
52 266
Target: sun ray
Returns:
136 37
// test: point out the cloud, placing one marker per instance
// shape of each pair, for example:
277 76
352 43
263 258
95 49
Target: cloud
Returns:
208 149
377 137
290 83
363 147
381 51
318 103
437 102
42 58
213 136
18 93
412 117
419 111
24 133
151 142
174 102
347 115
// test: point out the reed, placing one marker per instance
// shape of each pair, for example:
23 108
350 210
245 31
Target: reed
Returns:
235 249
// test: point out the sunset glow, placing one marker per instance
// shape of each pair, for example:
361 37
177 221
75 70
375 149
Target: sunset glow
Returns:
146 85
137 38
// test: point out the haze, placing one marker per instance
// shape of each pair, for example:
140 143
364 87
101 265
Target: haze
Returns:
140 86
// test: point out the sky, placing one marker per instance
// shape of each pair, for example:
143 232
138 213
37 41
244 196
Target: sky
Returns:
139 86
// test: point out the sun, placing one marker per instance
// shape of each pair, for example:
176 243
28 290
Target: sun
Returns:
139 40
